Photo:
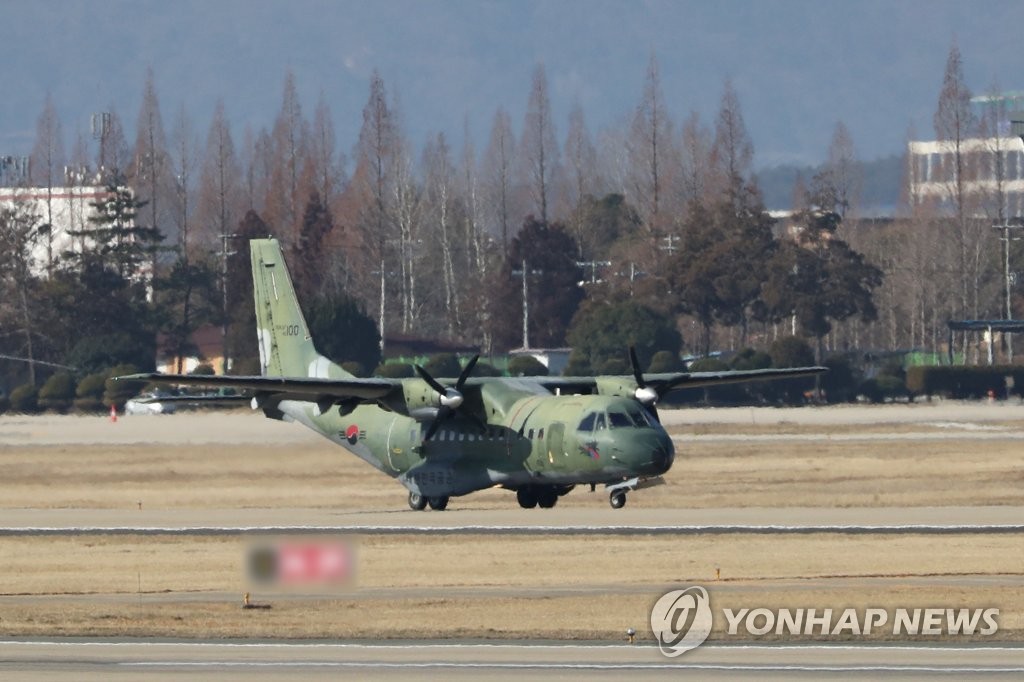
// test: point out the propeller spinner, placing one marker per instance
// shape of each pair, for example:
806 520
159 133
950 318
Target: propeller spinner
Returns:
449 399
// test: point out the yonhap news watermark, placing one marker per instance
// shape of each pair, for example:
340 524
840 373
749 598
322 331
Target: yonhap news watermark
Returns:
682 620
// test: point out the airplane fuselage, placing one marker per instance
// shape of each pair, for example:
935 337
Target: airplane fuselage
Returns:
540 441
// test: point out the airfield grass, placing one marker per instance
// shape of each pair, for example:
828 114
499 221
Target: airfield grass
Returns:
491 586
707 474
579 587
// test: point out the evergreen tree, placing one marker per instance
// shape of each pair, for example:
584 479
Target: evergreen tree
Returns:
307 262
115 240
549 253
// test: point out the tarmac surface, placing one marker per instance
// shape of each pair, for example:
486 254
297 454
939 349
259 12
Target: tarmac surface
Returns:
103 659
567 521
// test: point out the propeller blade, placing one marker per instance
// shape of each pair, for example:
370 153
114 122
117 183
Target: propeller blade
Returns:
431 381
442 414
635 364
466 372
646 395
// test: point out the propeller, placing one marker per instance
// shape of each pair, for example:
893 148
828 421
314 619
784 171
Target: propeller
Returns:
450 399
645 395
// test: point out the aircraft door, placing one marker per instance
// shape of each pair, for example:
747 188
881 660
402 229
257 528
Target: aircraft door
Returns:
556 456
398 444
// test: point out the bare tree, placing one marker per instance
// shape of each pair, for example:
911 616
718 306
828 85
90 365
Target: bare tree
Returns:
370 189
184 155
478 249
150 166
112 152
538 150
844 172
732 152
19 232
219 189
288 149
954 126
497 166
46 168
581 171
440 191
325 166
995 189
78 177
694 157
407 208
650 149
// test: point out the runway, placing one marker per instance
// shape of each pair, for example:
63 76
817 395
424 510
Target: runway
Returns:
574 521
106 658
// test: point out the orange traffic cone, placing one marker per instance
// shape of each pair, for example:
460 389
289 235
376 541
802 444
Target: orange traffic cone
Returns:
113 413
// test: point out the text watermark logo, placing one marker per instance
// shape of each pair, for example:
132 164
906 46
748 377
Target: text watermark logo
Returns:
682 619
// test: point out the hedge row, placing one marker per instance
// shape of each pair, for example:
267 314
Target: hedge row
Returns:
963 382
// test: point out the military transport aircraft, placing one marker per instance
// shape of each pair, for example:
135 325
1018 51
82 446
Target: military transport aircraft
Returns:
537 436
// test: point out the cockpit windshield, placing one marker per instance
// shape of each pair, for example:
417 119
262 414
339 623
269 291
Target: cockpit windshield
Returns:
623 418
619 420
635 417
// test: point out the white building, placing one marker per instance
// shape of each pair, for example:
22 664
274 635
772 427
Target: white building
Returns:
66 209
990 167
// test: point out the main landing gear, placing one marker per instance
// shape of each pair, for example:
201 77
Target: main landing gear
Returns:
544 497
419 502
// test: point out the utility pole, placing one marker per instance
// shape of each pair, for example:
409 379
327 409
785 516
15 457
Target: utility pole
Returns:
383 294
524 272
1008 280
224 253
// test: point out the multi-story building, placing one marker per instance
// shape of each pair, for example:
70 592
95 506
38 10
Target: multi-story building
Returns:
991 163
67 210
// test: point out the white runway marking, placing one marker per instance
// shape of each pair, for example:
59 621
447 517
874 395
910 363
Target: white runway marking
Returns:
703 529
752 658
691 438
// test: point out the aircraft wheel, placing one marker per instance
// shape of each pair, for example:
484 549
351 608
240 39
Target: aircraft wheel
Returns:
438 503
547 498
417 502
526 497
617 500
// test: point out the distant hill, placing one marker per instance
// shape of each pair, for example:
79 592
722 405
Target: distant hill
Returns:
879 196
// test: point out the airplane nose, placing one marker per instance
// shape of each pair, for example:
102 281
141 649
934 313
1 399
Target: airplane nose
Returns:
662 456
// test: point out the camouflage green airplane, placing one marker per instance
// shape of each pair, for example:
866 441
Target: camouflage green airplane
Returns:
441 438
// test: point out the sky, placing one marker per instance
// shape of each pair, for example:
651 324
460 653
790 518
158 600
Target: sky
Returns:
798 67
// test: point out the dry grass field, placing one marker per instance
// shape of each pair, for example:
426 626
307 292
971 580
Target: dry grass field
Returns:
588 587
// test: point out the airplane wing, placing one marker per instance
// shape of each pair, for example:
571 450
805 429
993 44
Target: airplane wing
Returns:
663 383
286 388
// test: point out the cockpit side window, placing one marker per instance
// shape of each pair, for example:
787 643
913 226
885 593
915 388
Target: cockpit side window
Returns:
619 420
588 422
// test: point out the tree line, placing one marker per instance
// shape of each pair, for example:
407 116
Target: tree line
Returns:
445 241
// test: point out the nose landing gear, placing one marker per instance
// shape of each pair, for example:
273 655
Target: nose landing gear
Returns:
418 502
617 499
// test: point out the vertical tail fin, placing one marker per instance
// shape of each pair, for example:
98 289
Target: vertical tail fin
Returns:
286 347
